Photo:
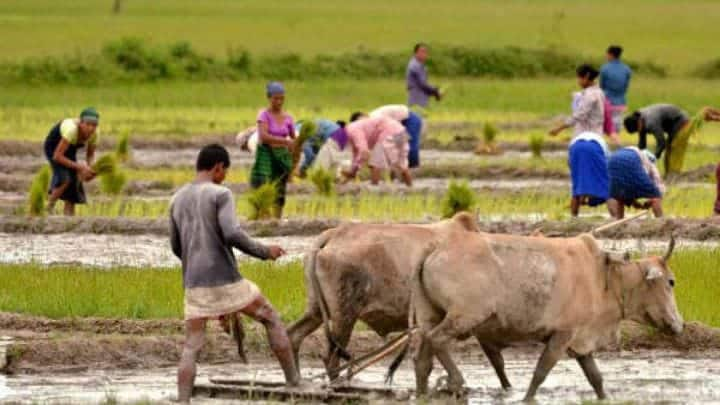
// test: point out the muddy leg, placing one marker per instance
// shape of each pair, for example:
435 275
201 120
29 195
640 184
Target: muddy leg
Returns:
589 367
298 331
194 341
69 210
554 349
494 354
341 335
656 205
237 331
423 365
261 311
575 206
440 338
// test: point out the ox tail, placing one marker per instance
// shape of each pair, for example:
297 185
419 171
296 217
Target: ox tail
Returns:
311 268
417 287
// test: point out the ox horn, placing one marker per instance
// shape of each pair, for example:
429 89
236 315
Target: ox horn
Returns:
671 247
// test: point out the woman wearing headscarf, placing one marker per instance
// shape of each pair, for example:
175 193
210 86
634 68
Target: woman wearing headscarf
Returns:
634 176
587 154
273 160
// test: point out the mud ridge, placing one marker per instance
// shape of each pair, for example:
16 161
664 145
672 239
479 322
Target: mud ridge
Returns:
44 345
137 226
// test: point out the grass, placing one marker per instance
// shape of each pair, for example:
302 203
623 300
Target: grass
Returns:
536 142
130 293
40 27
37 195
261 201
179 110
690 202
157 293
459 197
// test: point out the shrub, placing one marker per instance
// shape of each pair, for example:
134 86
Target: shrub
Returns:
324 180
489 133
113 183
709 70
122 149
134 59
536 144
459 197
262 201
38 191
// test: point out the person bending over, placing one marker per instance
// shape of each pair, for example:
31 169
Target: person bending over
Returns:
671 127
380 142
634 177
61 147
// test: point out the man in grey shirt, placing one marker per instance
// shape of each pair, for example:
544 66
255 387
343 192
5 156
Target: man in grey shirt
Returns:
419 90
203 232
657 119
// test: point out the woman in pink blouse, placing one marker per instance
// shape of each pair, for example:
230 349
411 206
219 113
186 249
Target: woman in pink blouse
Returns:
379 142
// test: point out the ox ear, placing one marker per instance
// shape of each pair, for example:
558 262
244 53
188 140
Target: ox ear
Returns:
616 257
653 272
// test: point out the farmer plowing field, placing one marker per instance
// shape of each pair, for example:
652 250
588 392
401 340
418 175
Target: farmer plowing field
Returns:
203 231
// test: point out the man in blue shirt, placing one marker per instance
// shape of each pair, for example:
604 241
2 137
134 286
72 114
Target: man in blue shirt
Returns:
615 80
419 90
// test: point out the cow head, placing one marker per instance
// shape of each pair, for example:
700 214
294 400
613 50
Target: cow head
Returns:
648 291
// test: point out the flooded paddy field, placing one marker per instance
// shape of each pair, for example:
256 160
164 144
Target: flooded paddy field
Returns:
665 377
113 250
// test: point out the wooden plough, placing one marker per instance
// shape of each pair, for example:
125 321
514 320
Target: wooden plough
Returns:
338 390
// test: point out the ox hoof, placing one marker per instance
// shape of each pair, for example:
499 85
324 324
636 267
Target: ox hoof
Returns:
449 386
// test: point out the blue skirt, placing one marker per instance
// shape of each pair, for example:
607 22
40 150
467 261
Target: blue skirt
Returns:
588 170
628 179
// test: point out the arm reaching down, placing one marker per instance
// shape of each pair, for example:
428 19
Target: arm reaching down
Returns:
233 233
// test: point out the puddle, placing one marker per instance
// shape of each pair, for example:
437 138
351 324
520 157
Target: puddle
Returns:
112 250
154 251
647 377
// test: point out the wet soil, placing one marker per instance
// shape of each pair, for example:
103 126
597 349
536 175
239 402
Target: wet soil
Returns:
151 251
76 359
707 229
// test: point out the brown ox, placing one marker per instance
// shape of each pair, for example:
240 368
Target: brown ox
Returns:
564 292
363 272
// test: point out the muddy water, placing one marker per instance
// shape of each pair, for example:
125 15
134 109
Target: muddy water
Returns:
186 157
645 377
154 251
110 250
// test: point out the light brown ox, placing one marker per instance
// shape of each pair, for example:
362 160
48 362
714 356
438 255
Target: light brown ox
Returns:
565 292
363 272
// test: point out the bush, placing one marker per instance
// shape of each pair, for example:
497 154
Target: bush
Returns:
709 70
324 180
489 133
536 144
39 187
133 59
262 201
459 197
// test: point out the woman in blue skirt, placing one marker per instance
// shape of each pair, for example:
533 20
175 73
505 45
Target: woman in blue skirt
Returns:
634 177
